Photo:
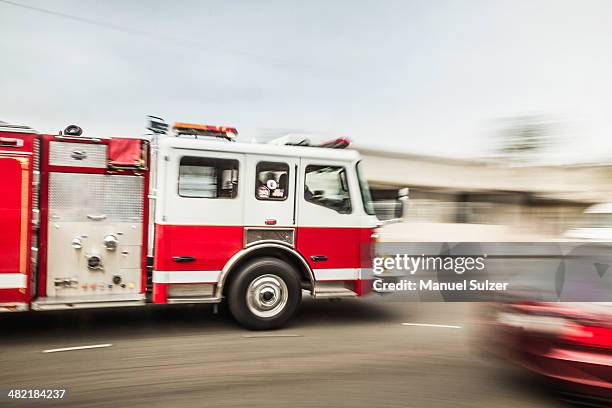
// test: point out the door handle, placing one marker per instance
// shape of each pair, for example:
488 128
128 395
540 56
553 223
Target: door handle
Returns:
318 258
96 217
181 259
10 142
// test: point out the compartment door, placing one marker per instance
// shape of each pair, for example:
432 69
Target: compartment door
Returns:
15 222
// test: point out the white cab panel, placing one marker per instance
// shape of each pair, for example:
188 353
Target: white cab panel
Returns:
189 208
316 215
270 188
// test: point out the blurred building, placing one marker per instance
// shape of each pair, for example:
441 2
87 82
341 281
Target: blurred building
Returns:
545 199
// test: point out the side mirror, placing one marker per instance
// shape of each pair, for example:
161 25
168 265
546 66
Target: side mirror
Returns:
403 195
389 210
392 211
399 209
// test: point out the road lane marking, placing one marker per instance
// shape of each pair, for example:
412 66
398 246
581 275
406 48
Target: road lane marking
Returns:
263 336
444 326
93 346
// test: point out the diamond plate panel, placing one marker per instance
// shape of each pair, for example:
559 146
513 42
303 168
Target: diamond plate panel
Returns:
78 197
36 154
77 154
253 235
36 175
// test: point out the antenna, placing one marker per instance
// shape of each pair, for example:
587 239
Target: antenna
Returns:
157 125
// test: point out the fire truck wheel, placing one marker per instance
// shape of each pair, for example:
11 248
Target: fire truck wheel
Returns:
265 294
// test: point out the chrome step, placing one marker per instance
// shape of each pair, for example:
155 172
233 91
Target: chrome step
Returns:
86 302
332 292
13 307
182 300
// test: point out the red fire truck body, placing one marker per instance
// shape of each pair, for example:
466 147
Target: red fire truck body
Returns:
17 164
251 223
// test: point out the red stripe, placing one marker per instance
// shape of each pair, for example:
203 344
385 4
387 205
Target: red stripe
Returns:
13 295
343 247
211 246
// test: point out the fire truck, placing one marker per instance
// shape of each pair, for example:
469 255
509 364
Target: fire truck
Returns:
182 215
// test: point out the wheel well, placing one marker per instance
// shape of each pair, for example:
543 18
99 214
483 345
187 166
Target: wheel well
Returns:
271 252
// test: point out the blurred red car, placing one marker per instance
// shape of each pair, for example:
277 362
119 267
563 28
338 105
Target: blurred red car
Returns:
567 342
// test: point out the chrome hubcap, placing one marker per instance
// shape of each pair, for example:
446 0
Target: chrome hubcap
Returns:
267 296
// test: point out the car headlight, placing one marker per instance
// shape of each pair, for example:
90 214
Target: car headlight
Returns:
535 323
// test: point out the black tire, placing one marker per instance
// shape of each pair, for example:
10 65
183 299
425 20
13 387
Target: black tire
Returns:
260 284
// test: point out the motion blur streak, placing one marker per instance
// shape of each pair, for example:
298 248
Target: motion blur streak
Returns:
352 353
568 342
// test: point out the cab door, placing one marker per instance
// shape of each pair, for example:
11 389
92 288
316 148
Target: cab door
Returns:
199 219
270 209
330 219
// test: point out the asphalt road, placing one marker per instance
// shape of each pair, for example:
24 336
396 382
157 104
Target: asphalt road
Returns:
353 353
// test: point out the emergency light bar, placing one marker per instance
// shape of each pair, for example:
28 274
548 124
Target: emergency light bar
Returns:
194 129
291 140
339 143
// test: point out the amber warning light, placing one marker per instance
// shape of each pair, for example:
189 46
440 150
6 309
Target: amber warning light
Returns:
194 129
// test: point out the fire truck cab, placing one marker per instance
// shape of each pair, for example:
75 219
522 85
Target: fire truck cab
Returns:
254 224
257 223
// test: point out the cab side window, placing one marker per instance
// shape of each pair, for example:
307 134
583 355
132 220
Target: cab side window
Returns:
207 177
272 181
327 186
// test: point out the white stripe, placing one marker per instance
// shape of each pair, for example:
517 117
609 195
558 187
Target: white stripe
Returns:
13 280
336 274
13 307
76 348
213 276
186 276
445 326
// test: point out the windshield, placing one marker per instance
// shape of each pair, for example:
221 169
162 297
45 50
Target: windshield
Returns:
366 197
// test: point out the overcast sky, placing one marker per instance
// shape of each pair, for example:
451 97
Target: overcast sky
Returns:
418 76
